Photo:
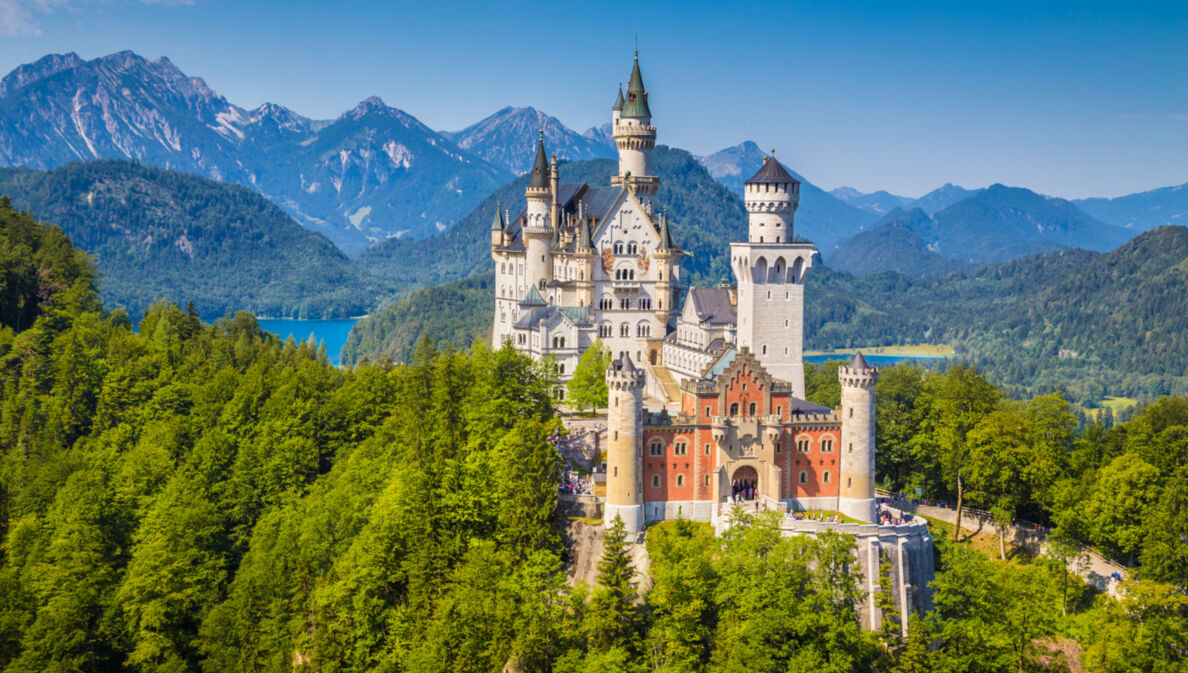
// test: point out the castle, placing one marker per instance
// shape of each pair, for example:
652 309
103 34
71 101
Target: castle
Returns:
730 426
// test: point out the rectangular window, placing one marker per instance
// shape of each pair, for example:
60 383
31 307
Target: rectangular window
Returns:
707 451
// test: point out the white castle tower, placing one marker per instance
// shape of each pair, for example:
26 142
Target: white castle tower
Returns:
624 479
631 127
856 496
538 227
770 271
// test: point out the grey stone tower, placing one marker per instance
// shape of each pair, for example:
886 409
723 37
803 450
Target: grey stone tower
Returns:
624 473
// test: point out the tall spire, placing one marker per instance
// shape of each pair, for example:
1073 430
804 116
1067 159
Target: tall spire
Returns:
619 99
666 242
637 96
498 224
540 168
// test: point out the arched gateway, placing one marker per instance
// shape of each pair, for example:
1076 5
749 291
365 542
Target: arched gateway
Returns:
744 483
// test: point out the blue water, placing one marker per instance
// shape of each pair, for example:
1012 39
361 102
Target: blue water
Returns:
876 360
332 332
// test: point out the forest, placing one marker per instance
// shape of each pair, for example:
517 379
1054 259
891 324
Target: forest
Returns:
196 496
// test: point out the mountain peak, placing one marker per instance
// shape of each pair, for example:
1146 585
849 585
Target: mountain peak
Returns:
46 66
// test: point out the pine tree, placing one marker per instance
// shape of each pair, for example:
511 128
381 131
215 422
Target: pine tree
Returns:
613 620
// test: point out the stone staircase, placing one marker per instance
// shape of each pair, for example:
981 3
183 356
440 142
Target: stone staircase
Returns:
666 384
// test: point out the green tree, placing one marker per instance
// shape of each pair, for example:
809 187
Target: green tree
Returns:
1145 631
1117 509
956 402
681 599
1164 554
587 388
614 618
896 422
1000 450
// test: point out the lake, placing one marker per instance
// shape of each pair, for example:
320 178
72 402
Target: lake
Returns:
332 332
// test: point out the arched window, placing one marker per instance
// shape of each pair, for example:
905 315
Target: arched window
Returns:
680 480
618 249
624 303
803 477
751 409
656 448
778 274
645 303
624 330
632 248
825 477
760 275
655 481
606 303
643 329
826 445
734 409
605 330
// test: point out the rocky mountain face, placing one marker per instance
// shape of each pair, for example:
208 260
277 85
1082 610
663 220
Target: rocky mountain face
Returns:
821 218
1143 211
373 173
507 139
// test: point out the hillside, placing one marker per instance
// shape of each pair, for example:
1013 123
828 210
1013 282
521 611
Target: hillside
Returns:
940 198
156 233
372 173
704 215
454 314
893 245
880 202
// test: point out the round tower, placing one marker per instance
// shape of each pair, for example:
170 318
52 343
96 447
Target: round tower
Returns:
635 137
856 496
538 230
624 473
771 196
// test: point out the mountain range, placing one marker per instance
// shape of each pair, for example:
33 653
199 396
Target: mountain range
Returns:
995 224
880 202
374 172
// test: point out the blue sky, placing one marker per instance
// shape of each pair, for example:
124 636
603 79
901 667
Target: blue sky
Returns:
1072 99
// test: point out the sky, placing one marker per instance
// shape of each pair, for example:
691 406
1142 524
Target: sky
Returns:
1071 99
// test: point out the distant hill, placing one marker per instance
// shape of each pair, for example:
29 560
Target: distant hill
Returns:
1140 212
940 198
881 202
821 217
372 173
1090 323
456 313
507 139
894 244
705 217
157 233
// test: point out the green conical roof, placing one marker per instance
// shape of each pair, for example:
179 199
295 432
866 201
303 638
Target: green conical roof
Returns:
497 223
585 241
637 96
540 168
666 242
533 298
619 100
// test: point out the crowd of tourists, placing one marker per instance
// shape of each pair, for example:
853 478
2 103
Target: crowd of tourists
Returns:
742 490
575 484
887 517
814 516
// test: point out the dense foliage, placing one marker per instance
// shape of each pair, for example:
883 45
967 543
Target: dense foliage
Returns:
157 233
955 437
205 497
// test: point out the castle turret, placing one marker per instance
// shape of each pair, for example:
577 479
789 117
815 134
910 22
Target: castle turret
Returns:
538 229
771 196
635 137
856 488
498 227
624 473
770 270
668 261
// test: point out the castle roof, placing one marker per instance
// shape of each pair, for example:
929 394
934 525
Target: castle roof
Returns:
859 362
577 315
624 364
540 167
772 172
712 305
533 298
619 100
498 224
637 97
